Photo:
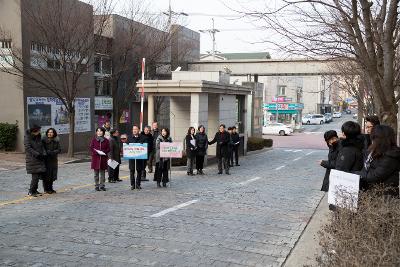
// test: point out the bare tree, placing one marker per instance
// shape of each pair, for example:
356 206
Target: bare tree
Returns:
63 39
361 30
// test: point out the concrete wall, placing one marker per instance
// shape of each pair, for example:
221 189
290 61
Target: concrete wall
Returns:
199 110
311 97
227 110
213 120
180 119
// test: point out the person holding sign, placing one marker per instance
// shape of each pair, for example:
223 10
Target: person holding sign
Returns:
191 147
383 163
115 157
202 145
137 164
162 164
99 147
222 139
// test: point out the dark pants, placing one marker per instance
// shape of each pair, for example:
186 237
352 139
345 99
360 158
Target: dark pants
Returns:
199 162
144 168
235 150
48 184
190 164
223 161
139 167
35 182
113 174
161 172
150 161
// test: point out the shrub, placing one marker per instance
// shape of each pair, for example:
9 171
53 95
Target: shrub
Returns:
8 136
255 143
268 142
368 237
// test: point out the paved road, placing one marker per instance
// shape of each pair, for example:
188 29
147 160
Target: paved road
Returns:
252 218
311 137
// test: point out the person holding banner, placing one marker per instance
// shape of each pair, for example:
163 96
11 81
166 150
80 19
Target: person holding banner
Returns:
99 147
222 139
202 145
114 155
191 147
383 163
148 138
137 164
162 164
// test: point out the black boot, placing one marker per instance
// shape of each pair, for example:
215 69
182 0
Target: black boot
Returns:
158 184
164 184
227 172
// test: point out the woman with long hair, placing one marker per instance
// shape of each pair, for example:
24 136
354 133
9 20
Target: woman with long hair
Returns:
191 147
383 162
162 164
99 147
51 144
202 146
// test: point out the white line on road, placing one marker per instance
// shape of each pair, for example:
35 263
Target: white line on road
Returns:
298 150
309 153
249 181
280 167
296 159
174 208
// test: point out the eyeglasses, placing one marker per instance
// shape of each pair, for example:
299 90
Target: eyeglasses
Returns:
369 127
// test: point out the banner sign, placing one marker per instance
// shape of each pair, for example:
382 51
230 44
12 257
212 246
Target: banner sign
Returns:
343 189
135 151
171 150
287 106
50 112
103 103
282 99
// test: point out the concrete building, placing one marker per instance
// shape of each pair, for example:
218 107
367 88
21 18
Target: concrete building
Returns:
200 98
291 87
27 102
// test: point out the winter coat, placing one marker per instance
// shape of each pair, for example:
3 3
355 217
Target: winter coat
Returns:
223 140
34 153
235 139
160 139
190 148
115 149
350 157
52 147
383 170
136 139
99 162
329 164
155 133
202 143
148 138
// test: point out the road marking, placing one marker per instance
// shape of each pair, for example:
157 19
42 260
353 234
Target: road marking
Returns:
288 150
309 153
174 208
280 167
62 190
3 169
298 150
249 181
296 159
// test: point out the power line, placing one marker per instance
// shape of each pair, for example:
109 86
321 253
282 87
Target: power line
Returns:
212 32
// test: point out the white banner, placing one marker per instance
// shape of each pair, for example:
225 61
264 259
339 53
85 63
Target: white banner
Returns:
343 189
50 112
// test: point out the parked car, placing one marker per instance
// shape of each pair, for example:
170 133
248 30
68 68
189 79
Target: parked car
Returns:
313 119
328 117
337 114
348 111
355 116
277 128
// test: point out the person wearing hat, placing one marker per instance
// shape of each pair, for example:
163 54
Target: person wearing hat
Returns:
35 155
332 141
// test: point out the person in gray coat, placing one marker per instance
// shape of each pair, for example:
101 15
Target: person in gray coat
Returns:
35 155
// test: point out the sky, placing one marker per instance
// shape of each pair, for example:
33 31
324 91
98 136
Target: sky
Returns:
236 33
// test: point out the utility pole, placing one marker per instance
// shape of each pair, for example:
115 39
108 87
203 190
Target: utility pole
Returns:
212 32
170 13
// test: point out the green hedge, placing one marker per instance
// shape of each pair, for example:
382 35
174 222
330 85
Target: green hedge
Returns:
8 135
268 142
256 143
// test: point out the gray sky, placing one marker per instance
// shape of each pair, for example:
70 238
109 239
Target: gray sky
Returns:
236 34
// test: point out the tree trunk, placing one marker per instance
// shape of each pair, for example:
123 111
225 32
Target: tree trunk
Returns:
71 136
360 111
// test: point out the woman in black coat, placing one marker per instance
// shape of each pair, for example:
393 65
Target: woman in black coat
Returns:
202 146
191 147
52 146
332 140
383 163
114 154
35 155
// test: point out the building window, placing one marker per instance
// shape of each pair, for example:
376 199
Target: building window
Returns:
102 65
5 44
6 59
102 87
281 90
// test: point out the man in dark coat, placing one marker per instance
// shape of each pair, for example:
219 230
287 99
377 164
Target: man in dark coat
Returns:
235 146
115 154
222 139
137 164
148 138
350 156
35 154
155 133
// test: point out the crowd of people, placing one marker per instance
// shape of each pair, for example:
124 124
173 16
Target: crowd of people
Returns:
107 143
374 155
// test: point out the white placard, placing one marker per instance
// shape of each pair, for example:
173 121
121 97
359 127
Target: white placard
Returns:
112 163
101 153
343 189
50 112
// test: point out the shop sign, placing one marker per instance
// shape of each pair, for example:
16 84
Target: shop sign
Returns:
282 99
103 103
283 106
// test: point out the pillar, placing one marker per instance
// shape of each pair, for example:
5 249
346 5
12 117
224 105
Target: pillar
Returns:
150 109
199 110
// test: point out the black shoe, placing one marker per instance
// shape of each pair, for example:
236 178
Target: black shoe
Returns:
158 184
97 188
237 164
138 187
227 173
188 173
111 181
103 188
220 172
230 165
53 191
164 184
132 188
38 193
48 192
144 180
118 180
32 194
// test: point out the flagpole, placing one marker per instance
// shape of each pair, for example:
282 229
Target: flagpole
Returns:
142 94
